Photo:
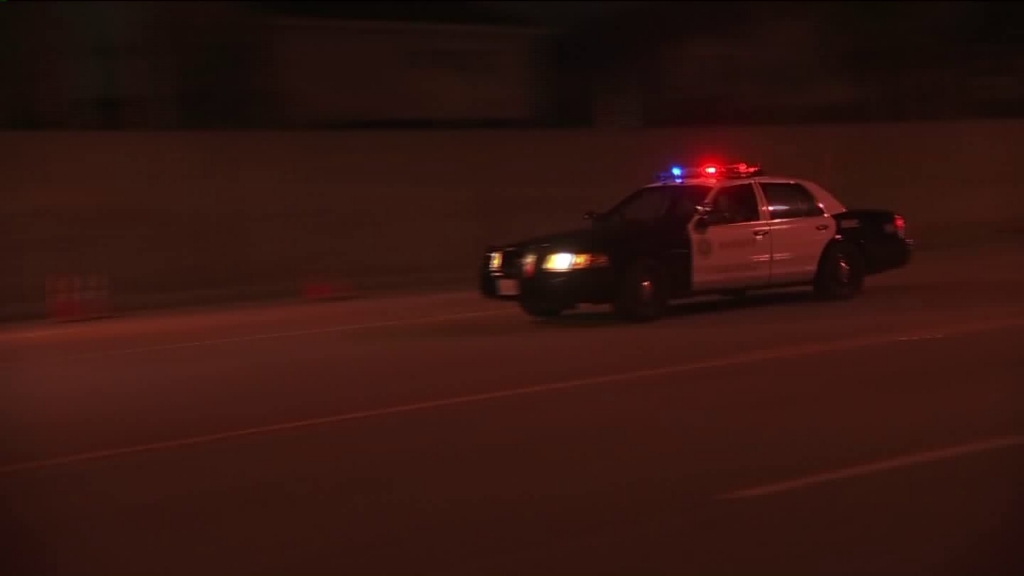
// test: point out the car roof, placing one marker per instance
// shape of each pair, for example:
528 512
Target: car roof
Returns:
824 197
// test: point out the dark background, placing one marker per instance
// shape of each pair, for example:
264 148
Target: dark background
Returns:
202 65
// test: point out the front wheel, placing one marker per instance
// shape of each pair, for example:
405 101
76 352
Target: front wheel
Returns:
840 272
642 294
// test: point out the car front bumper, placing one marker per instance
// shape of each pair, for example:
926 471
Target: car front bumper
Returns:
562 289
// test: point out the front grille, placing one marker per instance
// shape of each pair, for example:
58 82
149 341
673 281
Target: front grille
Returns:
511 262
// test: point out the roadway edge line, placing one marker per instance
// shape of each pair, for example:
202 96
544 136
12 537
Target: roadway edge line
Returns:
905 461
267 336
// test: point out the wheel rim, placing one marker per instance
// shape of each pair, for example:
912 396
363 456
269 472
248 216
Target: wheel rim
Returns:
843 272
646 290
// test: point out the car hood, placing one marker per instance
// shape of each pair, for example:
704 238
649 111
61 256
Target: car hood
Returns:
578 240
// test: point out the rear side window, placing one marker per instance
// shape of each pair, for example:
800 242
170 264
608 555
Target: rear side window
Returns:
790 200
646 205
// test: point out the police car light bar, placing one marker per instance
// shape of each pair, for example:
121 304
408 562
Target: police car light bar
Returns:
741 170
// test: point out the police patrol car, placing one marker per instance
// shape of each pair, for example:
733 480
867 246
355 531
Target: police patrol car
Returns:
708 230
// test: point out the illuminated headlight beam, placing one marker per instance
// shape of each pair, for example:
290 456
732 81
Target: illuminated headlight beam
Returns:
495 263
564 261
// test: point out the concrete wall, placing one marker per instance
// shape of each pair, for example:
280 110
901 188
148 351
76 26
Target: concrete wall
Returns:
323 74
175 212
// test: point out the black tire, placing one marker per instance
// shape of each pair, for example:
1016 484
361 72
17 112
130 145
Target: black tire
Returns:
642 294
539 310
840 272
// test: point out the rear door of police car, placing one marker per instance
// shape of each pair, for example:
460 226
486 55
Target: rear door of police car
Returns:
800 229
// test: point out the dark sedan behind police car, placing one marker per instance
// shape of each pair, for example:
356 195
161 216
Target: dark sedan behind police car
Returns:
709 230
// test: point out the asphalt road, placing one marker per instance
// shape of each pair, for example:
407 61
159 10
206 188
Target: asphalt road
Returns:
448 435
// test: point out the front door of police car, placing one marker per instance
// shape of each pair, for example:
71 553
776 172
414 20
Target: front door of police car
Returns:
734 249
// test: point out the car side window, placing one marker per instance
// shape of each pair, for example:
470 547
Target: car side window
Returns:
646 206
686 199
735 205
790 200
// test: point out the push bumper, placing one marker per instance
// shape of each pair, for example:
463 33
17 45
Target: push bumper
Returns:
900 255
562 289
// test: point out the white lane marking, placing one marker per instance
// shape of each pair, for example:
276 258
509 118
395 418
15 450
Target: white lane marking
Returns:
876 467
342 328
15 332
924 337
750 357
37 333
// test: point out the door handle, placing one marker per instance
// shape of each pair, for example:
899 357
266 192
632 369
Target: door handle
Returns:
760 233
821 227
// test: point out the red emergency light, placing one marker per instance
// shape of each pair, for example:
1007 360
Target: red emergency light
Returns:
741 170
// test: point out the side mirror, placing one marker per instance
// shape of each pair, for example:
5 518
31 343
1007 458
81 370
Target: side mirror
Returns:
708 216
703 221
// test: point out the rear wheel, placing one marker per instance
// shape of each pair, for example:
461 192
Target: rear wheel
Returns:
642 294
840 272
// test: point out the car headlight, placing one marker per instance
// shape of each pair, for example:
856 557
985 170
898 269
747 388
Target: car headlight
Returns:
495 263
564 261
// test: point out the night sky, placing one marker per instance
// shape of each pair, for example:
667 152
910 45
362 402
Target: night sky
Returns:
989 22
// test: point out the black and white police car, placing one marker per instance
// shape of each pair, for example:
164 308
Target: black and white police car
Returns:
707 230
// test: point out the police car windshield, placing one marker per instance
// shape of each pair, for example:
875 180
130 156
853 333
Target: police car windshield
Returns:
654 202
